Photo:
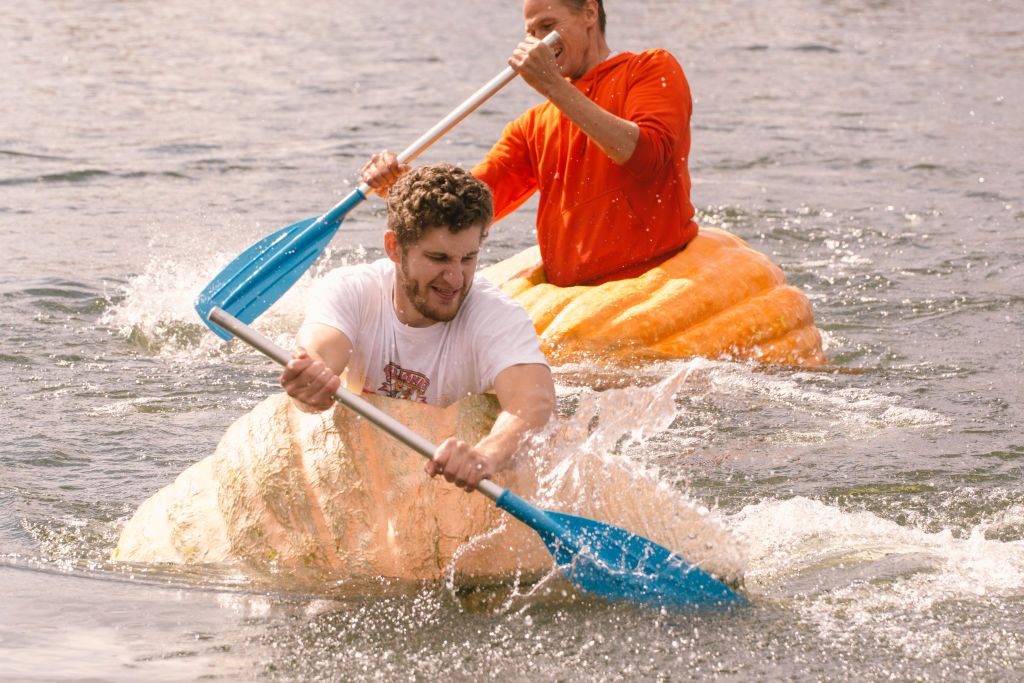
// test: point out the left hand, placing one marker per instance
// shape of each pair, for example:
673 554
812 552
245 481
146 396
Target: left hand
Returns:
382 170
460 463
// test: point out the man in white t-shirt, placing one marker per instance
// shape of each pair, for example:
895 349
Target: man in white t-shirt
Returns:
416 326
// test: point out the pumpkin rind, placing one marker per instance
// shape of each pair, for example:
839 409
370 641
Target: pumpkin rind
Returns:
307 499
718 298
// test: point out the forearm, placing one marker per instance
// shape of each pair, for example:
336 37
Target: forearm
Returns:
616 136
530 412
527 397
505 439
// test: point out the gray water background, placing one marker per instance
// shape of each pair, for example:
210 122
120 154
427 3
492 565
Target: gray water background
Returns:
872 148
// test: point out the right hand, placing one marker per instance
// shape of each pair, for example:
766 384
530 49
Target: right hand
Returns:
309 381
382 170
535 63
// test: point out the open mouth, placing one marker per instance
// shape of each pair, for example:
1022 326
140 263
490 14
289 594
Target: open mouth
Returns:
446 295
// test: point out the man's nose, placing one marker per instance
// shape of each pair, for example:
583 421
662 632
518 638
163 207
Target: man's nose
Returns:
453 276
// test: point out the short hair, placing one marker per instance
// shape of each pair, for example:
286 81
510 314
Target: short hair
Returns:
434 196
577 6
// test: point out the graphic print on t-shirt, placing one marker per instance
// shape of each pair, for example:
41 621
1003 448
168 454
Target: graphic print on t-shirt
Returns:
407 384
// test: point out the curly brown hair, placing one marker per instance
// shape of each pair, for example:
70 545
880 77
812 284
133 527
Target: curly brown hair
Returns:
438 195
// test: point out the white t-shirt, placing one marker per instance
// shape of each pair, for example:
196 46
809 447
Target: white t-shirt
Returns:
438 364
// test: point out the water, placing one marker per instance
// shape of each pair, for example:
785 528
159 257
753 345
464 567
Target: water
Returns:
871 148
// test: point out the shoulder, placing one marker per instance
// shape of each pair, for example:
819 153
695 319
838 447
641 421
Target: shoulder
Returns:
486 303
530 118
362 274
655 72
353 285
655 58
498 331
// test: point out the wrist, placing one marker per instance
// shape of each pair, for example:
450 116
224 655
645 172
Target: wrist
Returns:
496 457
558 90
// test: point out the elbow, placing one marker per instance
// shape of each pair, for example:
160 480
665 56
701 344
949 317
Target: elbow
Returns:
536 408
621 154
621 158
651 154
626 147
542 408
527 395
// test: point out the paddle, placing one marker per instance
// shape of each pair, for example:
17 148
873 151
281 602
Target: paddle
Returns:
259 276
598 558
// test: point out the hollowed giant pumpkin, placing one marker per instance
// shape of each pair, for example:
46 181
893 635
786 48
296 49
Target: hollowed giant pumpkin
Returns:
718 298
312 498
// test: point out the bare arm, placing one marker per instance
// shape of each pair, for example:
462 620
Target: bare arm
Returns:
311 377
527 397
535 62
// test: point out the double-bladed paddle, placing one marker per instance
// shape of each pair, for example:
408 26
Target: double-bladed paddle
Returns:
251 283
598 558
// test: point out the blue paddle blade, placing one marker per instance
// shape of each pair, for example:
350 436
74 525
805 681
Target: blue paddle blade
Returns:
615 564
261 274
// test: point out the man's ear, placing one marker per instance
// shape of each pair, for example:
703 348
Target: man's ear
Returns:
391 246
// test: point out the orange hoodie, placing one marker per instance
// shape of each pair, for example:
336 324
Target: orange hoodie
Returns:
596 220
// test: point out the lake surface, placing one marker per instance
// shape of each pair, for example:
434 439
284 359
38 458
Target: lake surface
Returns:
873 149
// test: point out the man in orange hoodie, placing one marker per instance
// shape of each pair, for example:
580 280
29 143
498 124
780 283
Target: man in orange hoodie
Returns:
608 151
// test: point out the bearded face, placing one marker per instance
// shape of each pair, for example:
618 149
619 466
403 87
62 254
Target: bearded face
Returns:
437 300
435 274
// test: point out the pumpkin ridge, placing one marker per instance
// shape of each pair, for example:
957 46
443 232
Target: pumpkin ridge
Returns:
791 348
320 532
584 315
702 301
516 287
760 320
545 302
526 265
707 247
251 534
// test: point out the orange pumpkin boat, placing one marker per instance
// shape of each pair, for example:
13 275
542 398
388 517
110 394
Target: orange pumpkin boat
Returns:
718 298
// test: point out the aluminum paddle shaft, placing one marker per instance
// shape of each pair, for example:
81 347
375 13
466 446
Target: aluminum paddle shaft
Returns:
471 104
466 108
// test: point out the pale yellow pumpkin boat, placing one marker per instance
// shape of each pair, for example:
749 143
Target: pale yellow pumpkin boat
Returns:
322 498
718 298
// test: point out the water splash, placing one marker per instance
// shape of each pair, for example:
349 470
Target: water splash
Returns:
155 310
854 574
585 462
